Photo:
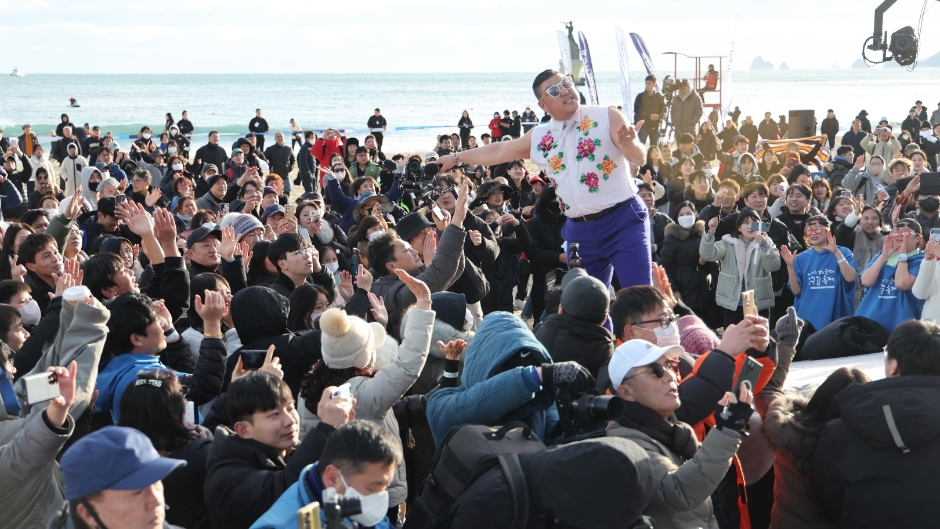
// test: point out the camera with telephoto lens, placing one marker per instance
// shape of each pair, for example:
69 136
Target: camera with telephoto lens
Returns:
417 177
585 415
336 508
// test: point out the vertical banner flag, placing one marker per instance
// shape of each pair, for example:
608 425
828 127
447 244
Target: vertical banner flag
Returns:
588 68
727 89
644 55
624 73
565 52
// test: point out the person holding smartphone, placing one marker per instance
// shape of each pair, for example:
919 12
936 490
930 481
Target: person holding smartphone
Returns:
890 276
822 278
927 285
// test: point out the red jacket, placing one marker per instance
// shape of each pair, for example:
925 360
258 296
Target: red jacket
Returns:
323 150
495 131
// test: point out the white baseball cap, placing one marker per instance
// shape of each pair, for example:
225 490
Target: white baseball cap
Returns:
635 353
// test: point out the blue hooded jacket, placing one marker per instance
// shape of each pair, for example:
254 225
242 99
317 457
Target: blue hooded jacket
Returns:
307 489
117 374
489 397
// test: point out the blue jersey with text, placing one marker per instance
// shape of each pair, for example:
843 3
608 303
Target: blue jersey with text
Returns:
825 295
887 305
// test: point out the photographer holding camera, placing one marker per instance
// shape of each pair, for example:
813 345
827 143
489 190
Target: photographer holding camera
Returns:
685 472
882 142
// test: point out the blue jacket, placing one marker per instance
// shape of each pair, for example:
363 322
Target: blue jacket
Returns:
346 205
117 374
308 489
11 195
488 396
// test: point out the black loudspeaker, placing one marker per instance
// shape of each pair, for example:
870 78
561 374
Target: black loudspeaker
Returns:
802 124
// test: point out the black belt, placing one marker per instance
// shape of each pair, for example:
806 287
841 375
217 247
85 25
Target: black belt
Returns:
595 216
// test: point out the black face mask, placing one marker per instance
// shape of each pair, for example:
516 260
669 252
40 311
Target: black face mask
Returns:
929 204
554 208
93 186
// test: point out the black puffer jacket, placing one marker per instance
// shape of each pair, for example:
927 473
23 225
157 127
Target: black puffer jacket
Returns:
680 258
184 486
502 275
545 231
568 338
883 451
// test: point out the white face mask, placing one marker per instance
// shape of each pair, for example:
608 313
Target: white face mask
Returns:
30 313
375 235
171 150
314 316
468 320
113 146
374 506
177 167
686 221
668 336
332 267
52 212
145 135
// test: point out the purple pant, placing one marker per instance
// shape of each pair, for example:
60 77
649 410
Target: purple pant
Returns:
618 241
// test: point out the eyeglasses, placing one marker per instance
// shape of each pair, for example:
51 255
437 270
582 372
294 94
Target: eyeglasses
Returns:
555 89
303 252
815 229
903 232
658 370
663 322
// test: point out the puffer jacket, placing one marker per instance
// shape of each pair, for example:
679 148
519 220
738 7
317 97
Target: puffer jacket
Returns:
885 149
863 182
927 287
684 487
884 450
734 255
679 257
488 395
30 483
447 265
686 112
376 395
795 505
570 339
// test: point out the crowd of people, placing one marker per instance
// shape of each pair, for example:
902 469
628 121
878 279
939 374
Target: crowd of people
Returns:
226 350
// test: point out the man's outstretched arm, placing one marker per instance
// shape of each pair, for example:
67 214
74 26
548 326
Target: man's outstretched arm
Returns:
492 154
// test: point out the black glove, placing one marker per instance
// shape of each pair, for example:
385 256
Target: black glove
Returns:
733 417
576 376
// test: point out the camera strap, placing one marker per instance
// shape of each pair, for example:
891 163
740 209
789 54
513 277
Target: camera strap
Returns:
515 478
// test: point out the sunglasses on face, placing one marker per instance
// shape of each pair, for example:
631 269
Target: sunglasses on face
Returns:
902 231
556 89
815 229
658 370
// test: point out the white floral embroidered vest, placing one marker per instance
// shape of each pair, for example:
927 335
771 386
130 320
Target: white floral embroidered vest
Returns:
578 157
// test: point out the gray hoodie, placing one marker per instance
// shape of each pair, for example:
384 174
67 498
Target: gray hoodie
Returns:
863 182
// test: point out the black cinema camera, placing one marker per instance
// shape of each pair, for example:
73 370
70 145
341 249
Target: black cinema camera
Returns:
585 415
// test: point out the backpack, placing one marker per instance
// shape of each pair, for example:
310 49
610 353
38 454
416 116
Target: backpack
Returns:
469 451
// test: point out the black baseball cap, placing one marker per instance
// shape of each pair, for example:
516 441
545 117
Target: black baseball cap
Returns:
202 232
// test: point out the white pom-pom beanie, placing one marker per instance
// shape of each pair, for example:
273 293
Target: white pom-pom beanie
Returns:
348 341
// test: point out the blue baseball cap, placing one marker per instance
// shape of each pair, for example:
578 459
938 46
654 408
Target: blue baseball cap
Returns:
369 194
113 458
273 209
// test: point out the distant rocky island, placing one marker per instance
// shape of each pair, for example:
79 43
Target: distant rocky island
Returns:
760 64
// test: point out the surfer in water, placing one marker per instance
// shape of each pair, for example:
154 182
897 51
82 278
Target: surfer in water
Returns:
73 102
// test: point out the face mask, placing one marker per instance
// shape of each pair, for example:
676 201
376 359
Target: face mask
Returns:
171 150
177 167
113 146
374 506
667 337
30 313
375 235
93 186
145 135
686 221
52 212
929 204
332 267
314 316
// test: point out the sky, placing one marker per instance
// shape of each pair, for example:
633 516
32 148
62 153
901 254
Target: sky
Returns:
280 36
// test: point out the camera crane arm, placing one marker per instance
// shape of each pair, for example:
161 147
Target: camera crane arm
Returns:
878 42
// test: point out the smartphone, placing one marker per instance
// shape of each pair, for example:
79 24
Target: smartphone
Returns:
223 209
929 184
437 212
40 387
747 302
749 374
935 234
119 199
253 358
342 391
761 227
288 208
308 516
846 193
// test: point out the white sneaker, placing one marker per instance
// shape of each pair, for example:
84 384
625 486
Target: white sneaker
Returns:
518 304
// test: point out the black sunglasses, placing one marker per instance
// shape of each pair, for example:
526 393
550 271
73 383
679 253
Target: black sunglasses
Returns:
658 370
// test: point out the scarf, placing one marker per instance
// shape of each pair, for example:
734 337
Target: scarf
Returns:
676 436
895 257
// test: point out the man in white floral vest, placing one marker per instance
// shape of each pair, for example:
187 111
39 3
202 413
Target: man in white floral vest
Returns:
585 151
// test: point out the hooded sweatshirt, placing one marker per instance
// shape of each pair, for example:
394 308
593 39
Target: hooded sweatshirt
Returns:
864 182
91 195
487 394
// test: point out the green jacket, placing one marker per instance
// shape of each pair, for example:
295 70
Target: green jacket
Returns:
734 254
372 169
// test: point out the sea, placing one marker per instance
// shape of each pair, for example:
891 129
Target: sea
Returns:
418 107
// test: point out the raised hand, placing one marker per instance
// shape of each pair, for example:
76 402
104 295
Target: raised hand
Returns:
272 364
363 278
831 243
713 225
787 257
63 283
335 411
860 162
163 315
453 349
18 271
58 411
227 248
345 285
430 248
379 312
475 237
75 205
416 286
212 309
136 218
627 133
